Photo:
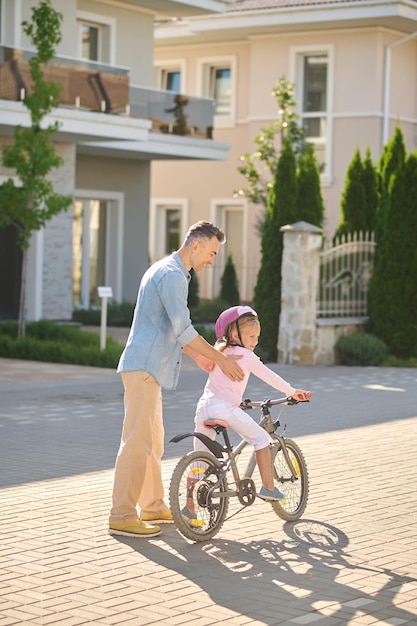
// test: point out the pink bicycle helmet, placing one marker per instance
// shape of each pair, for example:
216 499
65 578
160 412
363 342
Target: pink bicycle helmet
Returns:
229 316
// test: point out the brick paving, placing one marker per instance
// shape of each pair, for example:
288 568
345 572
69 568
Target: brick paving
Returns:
351 559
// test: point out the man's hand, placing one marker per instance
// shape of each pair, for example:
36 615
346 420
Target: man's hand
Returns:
199 348
229 367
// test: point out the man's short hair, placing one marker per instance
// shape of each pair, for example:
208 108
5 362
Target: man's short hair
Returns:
204 230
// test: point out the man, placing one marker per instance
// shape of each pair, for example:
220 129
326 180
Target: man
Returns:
161 330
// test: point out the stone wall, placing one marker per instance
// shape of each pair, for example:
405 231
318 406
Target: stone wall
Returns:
303 339
57 243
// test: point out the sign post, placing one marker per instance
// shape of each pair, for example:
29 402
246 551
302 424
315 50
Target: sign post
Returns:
104 293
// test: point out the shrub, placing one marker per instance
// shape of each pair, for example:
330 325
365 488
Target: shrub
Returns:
209 334
56 343
118 314
208 311
361 349
394 361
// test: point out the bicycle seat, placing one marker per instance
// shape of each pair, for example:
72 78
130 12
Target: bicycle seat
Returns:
217 425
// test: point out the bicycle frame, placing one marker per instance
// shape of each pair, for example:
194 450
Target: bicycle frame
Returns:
199 506
230 463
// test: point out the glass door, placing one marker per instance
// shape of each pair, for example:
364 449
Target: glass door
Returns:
88 251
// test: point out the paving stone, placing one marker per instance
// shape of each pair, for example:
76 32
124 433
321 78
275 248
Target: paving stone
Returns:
351 559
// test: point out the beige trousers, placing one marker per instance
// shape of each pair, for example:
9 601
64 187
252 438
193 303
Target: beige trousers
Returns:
138 476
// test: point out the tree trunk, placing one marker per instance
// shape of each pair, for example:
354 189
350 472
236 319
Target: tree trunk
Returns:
21 332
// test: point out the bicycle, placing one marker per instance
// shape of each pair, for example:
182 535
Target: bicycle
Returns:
199 490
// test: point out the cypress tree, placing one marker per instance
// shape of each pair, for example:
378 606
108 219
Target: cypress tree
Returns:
395 321
392 159
353 203
370 184
229 289
310 206
391 162
281 210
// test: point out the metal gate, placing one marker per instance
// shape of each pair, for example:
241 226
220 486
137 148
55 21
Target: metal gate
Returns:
345 272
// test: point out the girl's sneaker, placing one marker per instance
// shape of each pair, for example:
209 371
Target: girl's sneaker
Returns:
189 516
271 496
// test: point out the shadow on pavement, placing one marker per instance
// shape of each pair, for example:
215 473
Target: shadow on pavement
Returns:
261 578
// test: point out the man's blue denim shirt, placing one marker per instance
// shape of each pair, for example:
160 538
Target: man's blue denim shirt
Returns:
161 323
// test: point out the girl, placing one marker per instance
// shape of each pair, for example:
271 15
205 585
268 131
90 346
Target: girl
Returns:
237 331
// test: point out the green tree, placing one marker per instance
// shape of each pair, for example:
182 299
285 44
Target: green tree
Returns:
353 203
281 210
391 161
32 155
259 166
395 319
283 175
390 164
310 206
229 289
370 184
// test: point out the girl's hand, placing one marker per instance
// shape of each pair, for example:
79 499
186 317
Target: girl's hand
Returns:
301 395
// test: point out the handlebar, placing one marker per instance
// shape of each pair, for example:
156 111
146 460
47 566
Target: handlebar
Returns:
248 404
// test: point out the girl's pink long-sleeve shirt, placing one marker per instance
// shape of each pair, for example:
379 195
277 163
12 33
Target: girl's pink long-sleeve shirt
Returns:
221 387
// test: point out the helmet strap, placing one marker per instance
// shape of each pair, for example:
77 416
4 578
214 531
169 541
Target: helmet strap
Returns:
233 343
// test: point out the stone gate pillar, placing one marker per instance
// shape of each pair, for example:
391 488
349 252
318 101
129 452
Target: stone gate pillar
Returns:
299 283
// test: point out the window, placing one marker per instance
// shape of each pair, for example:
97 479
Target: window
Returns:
312 78
167 227
220 90
314 105
172 230
89 42
231 216
169 75
96 248
217 82
96 37
172 81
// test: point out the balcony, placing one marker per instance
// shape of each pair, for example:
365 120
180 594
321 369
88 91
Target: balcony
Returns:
173 113
97 87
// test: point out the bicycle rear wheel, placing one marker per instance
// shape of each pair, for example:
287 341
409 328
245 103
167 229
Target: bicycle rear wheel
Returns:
294 487
198 508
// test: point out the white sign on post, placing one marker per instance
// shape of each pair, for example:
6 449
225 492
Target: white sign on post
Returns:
104 293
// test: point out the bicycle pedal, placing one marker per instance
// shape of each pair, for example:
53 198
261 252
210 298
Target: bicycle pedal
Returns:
266 499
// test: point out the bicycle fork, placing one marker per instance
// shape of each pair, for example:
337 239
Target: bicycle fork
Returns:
281 443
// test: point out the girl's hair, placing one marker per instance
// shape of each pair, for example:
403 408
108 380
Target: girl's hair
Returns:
247 319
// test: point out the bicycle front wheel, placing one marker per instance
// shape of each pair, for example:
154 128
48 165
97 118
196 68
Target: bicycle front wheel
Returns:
291 478
197 496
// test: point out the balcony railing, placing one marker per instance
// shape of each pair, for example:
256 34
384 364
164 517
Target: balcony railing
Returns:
99 87
173 113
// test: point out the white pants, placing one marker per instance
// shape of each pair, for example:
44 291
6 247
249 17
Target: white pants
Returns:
235 418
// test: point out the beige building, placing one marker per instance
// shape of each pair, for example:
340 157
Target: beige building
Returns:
354 66
112 125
